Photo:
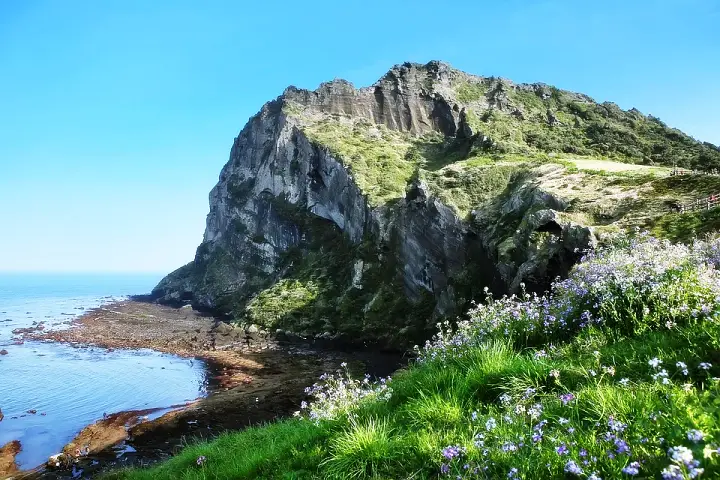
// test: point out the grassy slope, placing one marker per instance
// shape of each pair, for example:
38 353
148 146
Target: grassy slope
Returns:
432 407
454 397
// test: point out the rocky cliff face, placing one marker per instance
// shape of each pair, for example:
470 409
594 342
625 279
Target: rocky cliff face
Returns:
332 216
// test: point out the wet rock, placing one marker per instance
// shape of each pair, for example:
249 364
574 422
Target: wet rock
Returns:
37 328
3 352
59 460
32 411
252 329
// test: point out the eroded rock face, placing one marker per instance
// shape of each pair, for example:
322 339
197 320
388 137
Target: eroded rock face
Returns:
409 98
277 180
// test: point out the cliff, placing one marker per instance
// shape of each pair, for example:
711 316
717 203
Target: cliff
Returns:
368 214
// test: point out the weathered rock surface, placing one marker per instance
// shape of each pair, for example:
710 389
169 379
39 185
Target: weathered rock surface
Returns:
283 197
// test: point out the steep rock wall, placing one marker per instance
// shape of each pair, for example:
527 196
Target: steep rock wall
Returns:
414 249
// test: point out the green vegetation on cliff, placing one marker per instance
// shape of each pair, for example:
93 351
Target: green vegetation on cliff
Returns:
613 374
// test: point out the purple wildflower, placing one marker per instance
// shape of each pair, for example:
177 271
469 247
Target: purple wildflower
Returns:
632 469
573 468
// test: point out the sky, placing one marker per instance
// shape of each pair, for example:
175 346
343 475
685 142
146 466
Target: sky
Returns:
116 116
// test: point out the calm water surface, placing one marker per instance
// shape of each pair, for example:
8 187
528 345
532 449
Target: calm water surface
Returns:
75 386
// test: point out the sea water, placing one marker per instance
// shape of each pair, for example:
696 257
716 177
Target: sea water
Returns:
70 387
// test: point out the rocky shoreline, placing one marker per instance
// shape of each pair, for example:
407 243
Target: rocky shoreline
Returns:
253 378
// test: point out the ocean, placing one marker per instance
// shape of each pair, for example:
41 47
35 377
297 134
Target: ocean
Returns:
71 386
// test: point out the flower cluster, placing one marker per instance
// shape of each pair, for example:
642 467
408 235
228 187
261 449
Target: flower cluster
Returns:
513 431
637 284
338 393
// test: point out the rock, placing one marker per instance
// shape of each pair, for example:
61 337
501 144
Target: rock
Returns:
223 328
8 452
284 194
57 461
3 352
1 415
187 307
552 119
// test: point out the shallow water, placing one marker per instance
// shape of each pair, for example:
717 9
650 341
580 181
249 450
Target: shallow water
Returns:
70 386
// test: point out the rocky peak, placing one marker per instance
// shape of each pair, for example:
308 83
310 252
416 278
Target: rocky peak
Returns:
348 210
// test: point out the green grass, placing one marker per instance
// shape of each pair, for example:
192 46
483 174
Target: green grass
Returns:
469 184
685 226
286 297
431 408
375 155
470 91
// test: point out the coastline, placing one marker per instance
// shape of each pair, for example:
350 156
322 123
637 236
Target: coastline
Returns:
252 379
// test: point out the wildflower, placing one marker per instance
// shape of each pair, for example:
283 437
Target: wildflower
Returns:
505 399
535 411
490 424
709 451
594 476
616 426
474 416
444 468
343 364
624 381
509 447
704 366
621 446
567 398
695 435
573 468
654 362
562 449
201 460
555 373
592 373
563 421
609 370
513 474
672 472
683 367
681 455
632 469
452 451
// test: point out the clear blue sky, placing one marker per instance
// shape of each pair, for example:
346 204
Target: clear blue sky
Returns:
116 116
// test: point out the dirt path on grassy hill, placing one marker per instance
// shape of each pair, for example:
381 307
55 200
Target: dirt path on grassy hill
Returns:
251 379
611 166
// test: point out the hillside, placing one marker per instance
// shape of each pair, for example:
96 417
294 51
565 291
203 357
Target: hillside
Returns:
612 374
367 215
